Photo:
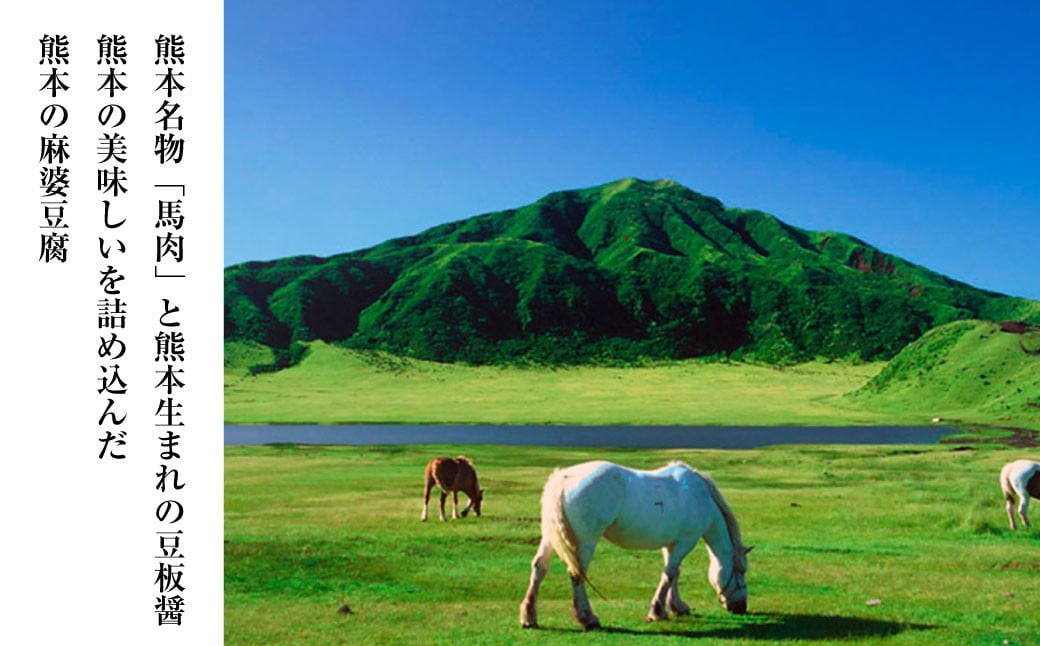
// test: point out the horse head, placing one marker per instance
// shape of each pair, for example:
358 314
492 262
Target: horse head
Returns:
474 503
729 581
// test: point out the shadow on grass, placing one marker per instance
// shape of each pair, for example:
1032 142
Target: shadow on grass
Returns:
777 627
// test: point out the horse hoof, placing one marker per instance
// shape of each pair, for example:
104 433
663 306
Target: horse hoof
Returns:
592 625
657 613
527 625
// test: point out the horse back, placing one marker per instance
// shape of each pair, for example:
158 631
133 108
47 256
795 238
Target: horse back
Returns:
632 508
452 474
614 481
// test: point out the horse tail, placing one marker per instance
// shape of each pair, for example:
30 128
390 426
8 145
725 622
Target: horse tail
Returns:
1005 483
557 528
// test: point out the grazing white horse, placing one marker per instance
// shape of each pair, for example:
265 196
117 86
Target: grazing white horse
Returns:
1021 478
668 509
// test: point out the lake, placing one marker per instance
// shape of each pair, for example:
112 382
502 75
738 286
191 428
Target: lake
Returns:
664 437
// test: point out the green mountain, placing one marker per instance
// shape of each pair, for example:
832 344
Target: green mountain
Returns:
620 271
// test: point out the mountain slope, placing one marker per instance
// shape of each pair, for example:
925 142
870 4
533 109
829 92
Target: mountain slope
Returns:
965 370
624 270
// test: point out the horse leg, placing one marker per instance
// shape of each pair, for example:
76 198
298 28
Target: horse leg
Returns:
675 602
539 568
426 498
1023 508
668 589
582 609
1010 504
444 497
455 505
657 603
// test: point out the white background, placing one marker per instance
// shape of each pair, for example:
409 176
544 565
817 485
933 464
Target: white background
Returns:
78 540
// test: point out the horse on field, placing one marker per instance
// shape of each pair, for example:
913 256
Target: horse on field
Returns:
668 509
1021 478
454 475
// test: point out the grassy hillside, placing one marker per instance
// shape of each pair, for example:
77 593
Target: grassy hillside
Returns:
920 529
337 385
968 370
618 272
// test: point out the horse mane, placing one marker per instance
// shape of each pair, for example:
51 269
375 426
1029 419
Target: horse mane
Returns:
739 552
464 464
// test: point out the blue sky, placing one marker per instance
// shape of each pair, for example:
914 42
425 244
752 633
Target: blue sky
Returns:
914 126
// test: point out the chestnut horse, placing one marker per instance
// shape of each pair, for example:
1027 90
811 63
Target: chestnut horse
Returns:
669 509
1021 477
454 475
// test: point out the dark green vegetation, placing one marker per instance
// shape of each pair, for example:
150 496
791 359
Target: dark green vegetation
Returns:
624 271
921 529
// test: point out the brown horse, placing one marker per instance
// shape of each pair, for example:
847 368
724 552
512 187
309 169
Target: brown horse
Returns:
454 475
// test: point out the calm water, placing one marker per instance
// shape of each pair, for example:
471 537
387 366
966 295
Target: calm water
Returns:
693 437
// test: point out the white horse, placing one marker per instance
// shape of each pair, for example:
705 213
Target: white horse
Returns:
1022 478
668 509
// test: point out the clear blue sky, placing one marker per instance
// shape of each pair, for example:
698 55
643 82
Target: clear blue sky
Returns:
912 125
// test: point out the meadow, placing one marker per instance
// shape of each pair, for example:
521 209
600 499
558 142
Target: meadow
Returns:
333 385
891 545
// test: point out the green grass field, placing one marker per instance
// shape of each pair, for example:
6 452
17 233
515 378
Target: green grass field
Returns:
333 385
920 528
